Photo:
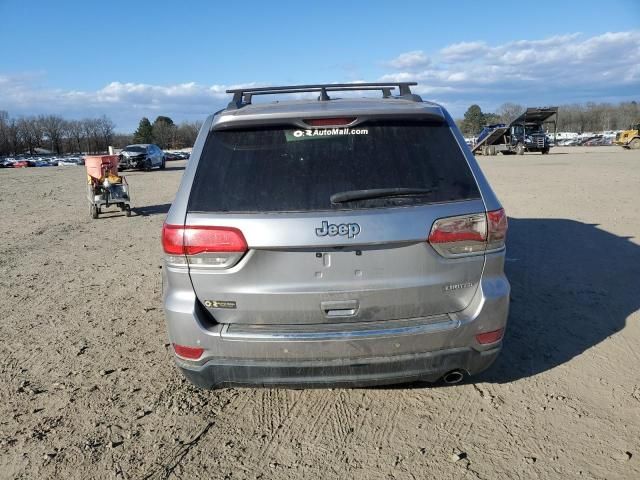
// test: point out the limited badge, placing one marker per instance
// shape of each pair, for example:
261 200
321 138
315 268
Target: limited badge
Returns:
457 286
219 304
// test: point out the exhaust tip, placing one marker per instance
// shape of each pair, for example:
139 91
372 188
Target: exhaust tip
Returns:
453 377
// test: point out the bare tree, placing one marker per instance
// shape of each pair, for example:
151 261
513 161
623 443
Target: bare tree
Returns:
91 134
75 135
508 112
187 133
105 128
4 133
30 133
53 127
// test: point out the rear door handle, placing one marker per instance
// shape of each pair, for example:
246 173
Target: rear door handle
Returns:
340 308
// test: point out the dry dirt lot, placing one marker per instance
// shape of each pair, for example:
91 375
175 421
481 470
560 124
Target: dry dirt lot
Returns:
88 388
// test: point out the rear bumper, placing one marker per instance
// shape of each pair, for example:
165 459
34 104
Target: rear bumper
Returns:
347 354
427 366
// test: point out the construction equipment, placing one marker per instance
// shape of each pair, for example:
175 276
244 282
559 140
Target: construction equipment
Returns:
629 138
104 186
524 134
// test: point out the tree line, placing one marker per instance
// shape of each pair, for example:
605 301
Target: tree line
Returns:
165 133
31 134
54 133
579 118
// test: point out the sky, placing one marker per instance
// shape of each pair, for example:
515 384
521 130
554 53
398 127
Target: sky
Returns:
128 59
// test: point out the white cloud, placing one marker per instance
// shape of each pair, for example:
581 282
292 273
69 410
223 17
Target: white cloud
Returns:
410 60
463 51
126 102
562 68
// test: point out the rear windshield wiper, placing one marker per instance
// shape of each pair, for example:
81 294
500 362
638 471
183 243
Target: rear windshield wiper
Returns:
377 193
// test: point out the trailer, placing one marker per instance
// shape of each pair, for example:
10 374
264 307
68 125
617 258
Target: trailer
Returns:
524 134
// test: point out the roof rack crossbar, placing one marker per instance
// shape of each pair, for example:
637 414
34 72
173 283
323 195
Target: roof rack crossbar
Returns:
243 96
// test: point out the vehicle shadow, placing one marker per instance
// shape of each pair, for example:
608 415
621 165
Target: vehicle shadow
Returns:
172 168
149 210
573 285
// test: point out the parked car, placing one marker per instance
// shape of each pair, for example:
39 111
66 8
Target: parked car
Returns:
68 162
21 164
142 156
326 242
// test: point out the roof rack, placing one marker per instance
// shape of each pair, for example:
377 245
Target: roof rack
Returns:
243 96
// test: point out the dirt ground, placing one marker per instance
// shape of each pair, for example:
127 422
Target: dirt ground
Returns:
89 390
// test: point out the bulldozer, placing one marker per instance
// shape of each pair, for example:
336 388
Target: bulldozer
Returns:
629 138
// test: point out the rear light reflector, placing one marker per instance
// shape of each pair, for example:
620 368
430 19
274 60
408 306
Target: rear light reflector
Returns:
188 353
330 122
490 337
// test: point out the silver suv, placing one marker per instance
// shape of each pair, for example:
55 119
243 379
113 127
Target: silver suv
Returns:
332 241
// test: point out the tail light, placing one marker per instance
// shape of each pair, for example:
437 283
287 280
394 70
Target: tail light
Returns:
469 234
188 353
497 221
203 246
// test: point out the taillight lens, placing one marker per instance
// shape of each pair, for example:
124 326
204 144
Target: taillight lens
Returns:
459 235
497 221
469 234
205 246
213 239
188 353
173 239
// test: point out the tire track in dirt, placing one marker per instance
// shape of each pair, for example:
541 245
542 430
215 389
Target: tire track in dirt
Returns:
277 410
385 428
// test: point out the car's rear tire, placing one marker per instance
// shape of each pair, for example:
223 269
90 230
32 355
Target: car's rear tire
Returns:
545 151
147 165
163 164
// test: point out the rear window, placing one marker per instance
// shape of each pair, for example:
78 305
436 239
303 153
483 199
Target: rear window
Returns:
287 169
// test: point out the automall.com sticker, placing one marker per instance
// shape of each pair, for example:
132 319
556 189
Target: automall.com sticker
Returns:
324 132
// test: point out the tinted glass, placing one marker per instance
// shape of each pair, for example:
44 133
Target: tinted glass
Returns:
288 169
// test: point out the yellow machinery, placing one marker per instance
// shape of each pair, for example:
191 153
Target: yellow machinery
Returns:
629 138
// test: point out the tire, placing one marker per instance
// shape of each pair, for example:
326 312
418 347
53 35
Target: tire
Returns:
635 144
127 211
520 149
163 164
147 165
545 151
94 212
